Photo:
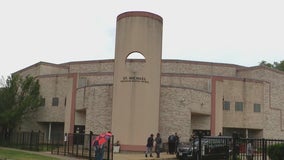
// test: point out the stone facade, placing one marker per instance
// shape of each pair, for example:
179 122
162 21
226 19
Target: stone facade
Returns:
185 98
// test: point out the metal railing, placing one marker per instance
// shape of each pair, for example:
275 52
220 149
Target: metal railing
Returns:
80 145
232 148
23 140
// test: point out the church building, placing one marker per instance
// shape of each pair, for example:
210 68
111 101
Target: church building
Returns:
133 97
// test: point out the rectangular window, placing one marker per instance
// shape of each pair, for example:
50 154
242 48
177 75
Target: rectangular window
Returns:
256 107
65 101
43 102
226 105
55 101
82 82
239 106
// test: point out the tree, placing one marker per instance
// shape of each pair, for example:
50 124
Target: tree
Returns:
275 65
18 98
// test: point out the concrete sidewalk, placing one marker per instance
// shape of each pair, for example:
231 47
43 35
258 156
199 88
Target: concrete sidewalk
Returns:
116 156
141 156
125 156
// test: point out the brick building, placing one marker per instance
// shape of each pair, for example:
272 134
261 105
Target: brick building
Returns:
136 97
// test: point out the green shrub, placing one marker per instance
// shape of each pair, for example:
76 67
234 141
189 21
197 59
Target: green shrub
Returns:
275 152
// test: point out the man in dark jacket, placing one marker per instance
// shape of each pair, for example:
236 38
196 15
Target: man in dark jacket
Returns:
176 141
159 144
149 146
171 143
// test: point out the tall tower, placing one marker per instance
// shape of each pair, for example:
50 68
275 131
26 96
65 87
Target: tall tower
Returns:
136 84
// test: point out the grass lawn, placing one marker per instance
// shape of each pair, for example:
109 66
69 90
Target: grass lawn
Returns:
21 155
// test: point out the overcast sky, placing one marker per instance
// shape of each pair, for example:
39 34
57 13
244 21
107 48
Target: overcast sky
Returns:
242 32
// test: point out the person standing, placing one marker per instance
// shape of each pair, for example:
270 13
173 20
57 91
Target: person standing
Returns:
99 149
158 146
149 145
171 143
249 150
99 152
99 144
176 141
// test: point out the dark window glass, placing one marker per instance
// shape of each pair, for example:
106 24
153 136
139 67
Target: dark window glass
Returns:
55 101
239 106
256 107
226 105
82 82
43 102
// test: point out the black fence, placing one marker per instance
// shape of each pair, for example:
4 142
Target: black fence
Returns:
73 145
260 147
204 147
33 141
80 145
232 148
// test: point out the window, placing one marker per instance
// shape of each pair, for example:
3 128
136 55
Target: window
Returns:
226 105
239 106
135 61
43 102
82 82
256 107
55 101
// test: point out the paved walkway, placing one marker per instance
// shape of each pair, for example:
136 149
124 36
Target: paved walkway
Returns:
127 156
141 156
116 156
120 156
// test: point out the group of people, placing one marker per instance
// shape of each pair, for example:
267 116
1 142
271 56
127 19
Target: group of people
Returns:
173 141
150 144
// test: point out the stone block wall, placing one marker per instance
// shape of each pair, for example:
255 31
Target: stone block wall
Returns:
185 96
273 98
99 111
99 66
55 86
199 68
249 93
